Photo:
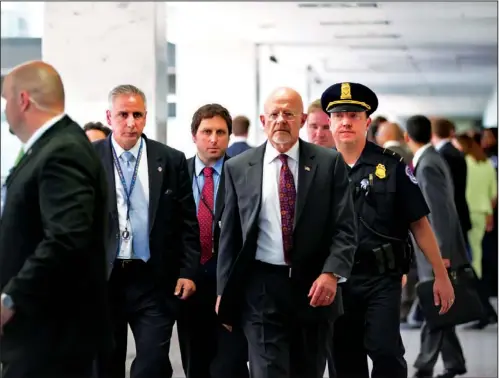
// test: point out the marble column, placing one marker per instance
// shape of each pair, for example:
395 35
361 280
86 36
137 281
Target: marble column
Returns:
96 46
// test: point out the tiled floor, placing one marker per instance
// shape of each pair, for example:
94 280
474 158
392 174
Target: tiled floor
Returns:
480 350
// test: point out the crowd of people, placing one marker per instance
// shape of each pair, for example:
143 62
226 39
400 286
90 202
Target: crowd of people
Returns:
273 261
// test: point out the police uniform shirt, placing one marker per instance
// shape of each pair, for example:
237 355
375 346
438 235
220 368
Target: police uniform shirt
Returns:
394 199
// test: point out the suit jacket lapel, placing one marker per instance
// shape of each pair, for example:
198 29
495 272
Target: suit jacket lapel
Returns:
108 164
254 178
156 170
220 202
306 173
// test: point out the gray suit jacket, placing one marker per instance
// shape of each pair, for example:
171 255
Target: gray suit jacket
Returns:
435 181
325 233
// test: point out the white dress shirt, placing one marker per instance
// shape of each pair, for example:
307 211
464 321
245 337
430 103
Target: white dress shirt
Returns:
38 133
142 179
441 143
269 244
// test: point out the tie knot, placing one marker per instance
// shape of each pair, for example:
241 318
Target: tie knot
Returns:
208 171
284 159
127 156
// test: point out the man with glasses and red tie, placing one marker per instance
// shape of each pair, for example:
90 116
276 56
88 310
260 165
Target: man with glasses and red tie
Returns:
288 237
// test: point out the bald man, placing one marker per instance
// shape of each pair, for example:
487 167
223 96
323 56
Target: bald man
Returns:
391 136
288 236
52 256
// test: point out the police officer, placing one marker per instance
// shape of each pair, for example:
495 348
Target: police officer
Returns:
388 204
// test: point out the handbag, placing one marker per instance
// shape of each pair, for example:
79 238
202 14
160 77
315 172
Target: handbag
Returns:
467 306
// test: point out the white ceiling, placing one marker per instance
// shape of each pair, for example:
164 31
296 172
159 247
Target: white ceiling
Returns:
440 58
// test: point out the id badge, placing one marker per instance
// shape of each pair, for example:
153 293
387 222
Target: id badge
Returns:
126 237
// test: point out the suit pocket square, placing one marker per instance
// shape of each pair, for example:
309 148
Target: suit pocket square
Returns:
168 192
220 224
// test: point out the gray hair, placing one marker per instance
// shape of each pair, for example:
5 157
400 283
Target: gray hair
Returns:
125 89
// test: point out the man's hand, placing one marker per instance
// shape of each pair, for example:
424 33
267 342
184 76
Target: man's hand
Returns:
443 293
323 290
5 315
229 328
185 288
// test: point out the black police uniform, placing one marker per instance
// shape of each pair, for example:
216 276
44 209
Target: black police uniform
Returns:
387 200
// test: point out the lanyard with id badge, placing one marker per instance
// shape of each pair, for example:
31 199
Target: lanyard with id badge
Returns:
126 236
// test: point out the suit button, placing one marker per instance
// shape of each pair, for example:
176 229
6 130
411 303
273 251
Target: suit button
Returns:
117 235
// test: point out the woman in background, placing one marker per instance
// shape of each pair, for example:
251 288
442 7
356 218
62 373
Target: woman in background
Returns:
481 195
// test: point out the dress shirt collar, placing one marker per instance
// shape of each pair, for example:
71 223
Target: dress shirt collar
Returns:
119 150
419 153
199 165
271 153
38 133
441 143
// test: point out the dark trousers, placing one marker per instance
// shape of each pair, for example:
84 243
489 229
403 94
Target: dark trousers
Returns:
443 341
136 300
370 327
80 367
207 348
281 344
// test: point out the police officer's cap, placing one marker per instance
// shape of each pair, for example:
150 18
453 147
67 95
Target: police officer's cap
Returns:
349 97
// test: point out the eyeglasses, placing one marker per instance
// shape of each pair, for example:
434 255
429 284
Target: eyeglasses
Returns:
285 115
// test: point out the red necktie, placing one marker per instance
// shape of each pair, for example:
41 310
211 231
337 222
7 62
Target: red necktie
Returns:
287 199
205 215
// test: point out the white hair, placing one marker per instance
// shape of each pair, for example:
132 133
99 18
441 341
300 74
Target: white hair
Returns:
125 89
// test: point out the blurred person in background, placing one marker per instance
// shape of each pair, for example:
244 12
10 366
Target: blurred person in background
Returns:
373 129
318 129
490 240
239 139
96 131
390 135
435 180
443 130
481 194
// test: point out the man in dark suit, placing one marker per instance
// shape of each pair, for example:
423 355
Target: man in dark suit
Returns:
442 132
52 236
240 127
435 180
288 236
153 237
198 325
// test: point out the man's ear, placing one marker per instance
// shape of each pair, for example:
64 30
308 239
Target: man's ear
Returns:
406 137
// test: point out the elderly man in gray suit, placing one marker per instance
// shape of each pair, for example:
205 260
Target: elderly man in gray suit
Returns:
435 181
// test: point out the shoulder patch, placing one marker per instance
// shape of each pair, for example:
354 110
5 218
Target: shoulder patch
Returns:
409 174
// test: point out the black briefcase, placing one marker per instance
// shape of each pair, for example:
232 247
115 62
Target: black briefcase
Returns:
467 306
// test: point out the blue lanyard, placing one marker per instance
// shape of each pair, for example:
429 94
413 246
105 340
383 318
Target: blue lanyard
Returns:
128 194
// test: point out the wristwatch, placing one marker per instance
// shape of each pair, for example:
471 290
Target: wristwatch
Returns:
6 301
